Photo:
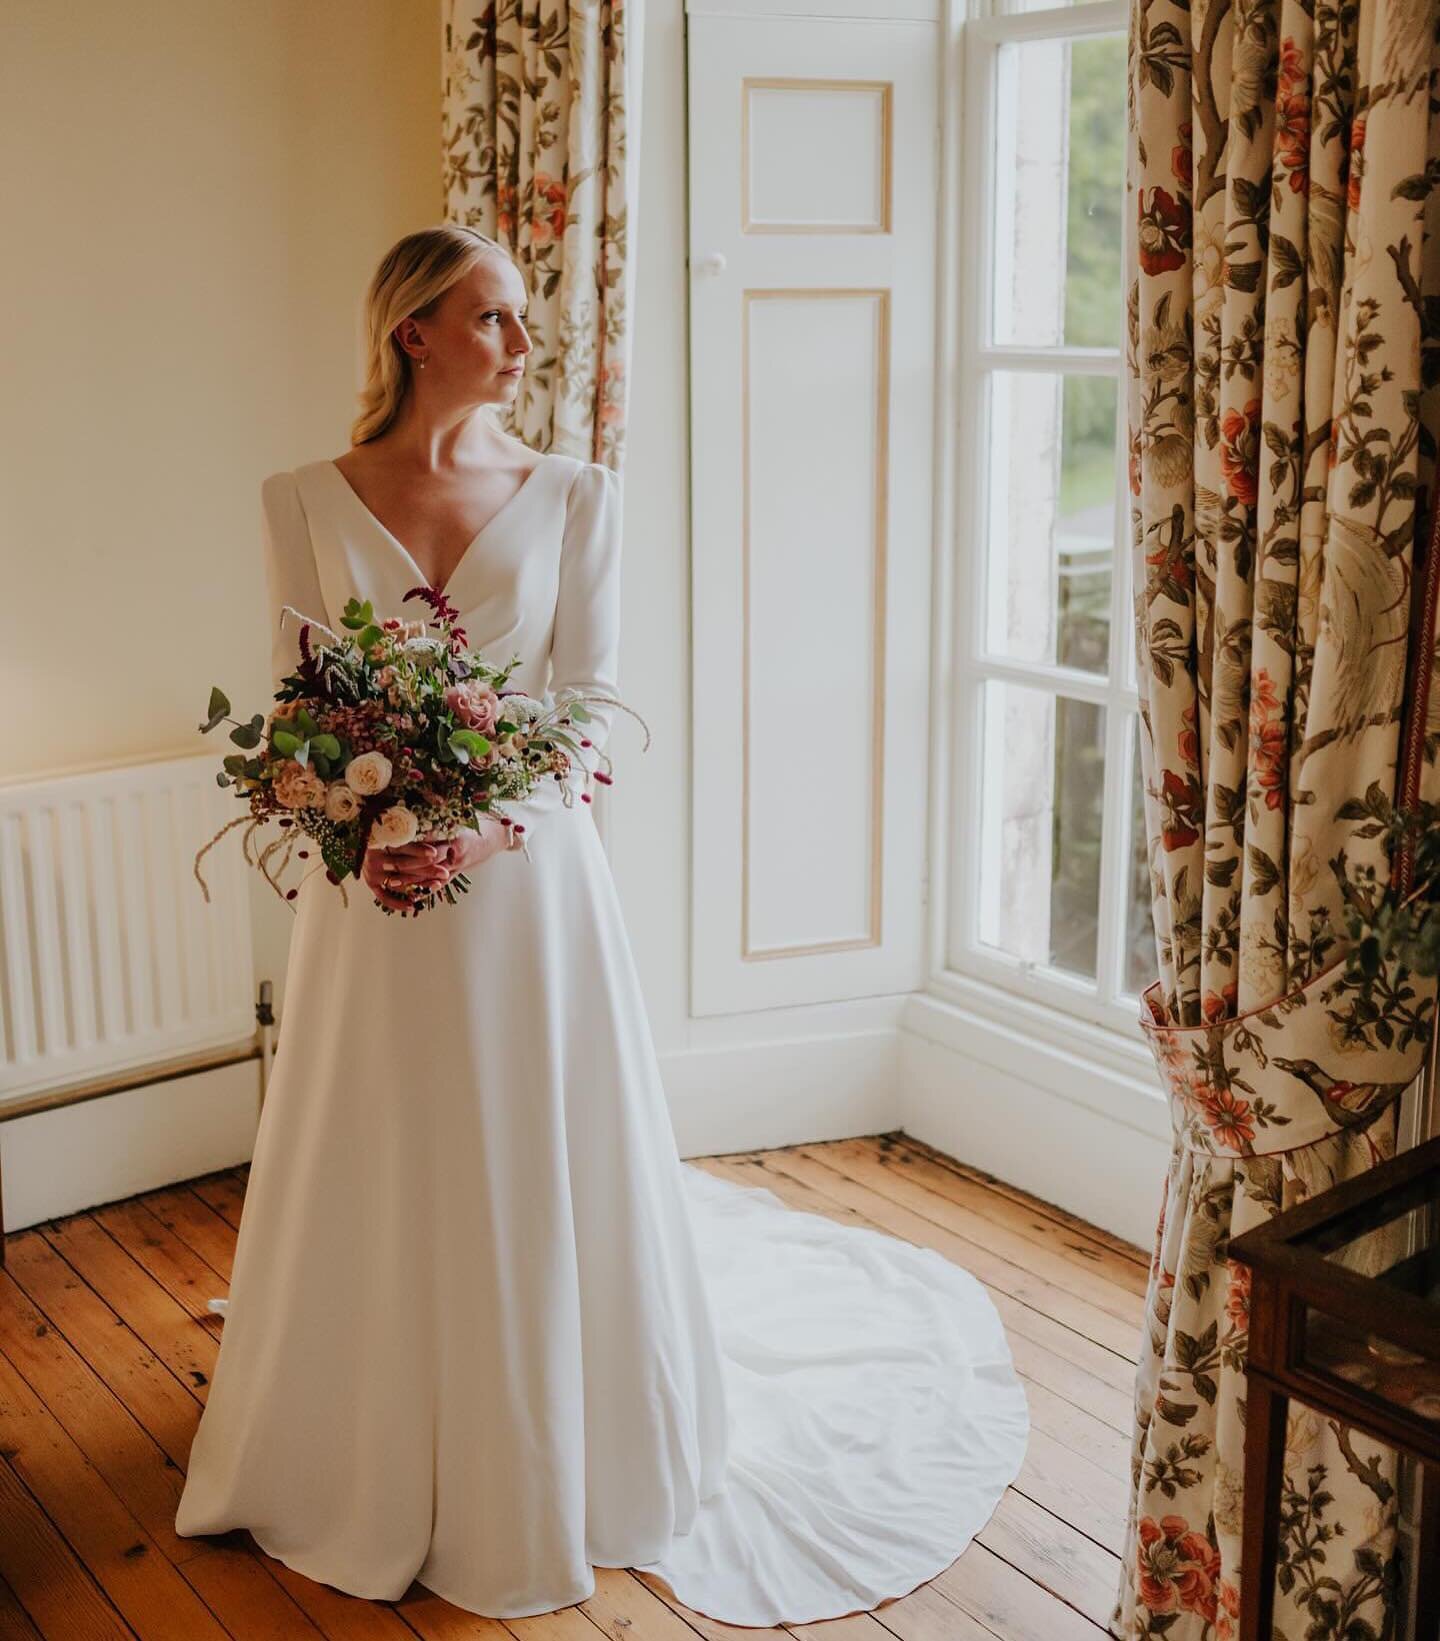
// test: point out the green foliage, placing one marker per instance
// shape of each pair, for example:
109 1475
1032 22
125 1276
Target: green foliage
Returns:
1389 929
1095 201
1095 192
467 743
219 706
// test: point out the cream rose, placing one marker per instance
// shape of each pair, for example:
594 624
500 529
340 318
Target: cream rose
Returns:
396 825
298 787
368 774
341 804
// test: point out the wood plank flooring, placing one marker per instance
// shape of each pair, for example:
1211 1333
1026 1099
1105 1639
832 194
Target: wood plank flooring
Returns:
106 1352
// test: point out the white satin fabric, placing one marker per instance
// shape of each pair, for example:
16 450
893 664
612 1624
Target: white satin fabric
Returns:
485 1329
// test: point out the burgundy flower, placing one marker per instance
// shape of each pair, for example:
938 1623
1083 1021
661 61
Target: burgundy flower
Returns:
1355 162
444 611
547 216
1164 231
1237 1297
1229 1117
1178 1567
1240 452
1269 752
1227 1616
1184 809
1292 137
1219 1005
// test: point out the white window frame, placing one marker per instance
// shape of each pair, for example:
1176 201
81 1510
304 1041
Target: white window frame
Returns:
958 957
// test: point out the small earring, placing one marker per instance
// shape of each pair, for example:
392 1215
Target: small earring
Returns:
422 364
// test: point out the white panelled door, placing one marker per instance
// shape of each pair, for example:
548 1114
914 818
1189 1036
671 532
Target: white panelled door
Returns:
813 149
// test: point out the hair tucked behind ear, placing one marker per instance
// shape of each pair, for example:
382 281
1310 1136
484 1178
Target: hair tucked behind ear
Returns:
412 277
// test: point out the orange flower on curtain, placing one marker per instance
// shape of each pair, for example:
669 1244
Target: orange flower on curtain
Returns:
534 118
1283 343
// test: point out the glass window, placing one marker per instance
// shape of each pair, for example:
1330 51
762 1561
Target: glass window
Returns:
1052 854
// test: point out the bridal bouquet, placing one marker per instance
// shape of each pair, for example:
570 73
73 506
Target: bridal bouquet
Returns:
389 735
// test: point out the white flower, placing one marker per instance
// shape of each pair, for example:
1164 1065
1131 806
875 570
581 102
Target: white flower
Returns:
521 709
341 803
395 826
368 774
423 649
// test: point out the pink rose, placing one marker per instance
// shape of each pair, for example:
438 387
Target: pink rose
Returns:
476 705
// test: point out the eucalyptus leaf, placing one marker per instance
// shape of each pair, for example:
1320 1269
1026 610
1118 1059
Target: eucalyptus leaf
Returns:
219 706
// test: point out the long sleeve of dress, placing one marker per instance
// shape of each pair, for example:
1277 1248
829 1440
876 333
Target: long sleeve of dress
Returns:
585 648
290 574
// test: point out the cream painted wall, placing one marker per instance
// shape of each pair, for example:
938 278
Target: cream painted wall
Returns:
649 840
195 197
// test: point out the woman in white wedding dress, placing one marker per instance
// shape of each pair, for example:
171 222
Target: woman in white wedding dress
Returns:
485 1329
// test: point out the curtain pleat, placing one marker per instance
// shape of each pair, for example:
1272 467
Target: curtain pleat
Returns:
535 114
1283 320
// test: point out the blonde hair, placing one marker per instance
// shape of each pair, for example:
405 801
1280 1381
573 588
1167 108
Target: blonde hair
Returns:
412 277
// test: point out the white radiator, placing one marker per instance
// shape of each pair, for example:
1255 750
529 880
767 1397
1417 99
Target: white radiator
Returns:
110 957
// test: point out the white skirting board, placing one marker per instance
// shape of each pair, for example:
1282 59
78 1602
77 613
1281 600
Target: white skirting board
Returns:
104 1150
750 1096
1082 1137
1085 1137
723 1098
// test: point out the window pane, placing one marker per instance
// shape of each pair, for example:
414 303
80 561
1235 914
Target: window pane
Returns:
1043 787
1059 191
1141 962
1052 518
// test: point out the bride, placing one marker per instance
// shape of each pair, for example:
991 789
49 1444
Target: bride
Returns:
485 1329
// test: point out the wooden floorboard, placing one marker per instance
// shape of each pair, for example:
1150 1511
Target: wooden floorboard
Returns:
107 1351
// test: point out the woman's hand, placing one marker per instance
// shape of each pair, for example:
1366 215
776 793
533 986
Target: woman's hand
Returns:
468 849
390 873
429 863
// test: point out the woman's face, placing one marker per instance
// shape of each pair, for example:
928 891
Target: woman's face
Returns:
474 344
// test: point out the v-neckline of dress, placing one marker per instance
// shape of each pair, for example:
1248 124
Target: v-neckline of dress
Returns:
470 546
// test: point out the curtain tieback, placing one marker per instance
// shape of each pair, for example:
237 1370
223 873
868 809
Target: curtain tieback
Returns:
1283 1076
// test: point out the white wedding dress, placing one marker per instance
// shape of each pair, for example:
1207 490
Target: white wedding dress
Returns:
485 1328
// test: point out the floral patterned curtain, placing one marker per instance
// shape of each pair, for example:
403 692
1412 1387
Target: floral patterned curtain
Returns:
1283 321
535 114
